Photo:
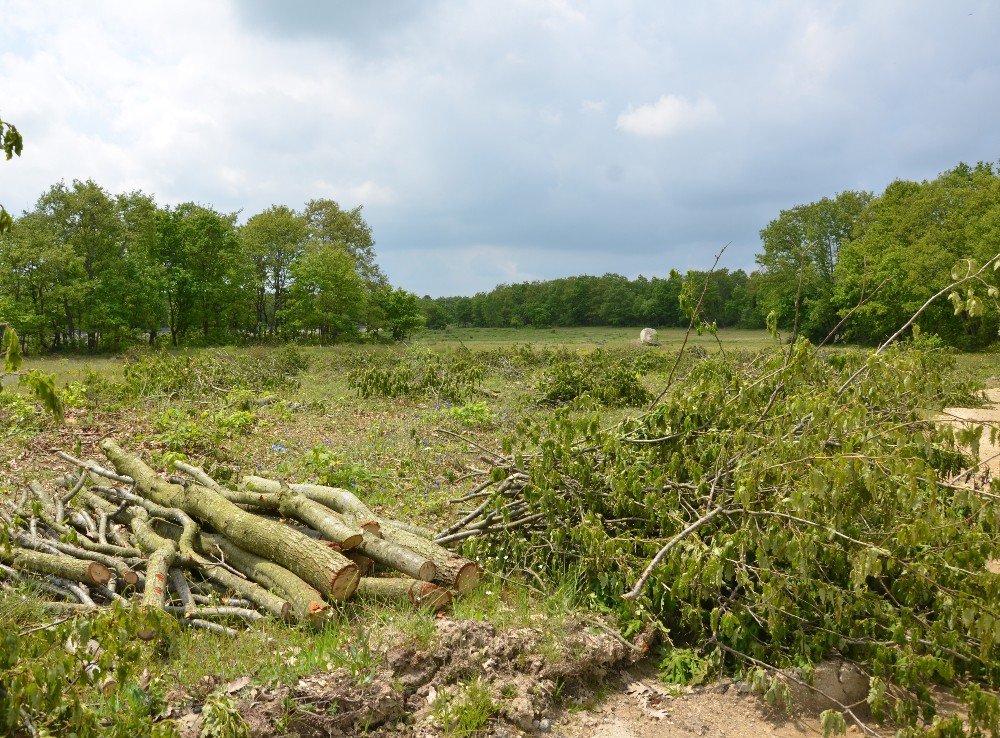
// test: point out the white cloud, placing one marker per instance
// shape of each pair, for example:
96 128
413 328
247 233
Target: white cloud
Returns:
669 115
348 195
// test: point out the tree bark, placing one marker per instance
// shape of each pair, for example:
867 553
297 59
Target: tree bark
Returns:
76 570
307 603
412 563
339 500
289 503
453 571
407 591
328 571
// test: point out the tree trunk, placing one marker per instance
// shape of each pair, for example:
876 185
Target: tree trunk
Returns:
406 591
453 571
340 500
328 571
399 558
76 570
307 603
290 504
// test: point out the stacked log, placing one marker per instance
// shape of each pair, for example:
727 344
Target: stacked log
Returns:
191 546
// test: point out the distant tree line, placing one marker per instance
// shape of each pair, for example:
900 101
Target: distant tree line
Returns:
596 301
88 270
853 267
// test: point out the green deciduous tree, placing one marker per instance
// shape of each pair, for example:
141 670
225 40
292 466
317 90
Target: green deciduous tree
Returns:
798 265
396 311
910 237
329 223
272 240
327 296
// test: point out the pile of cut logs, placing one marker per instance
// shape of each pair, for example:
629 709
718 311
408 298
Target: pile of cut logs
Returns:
205 552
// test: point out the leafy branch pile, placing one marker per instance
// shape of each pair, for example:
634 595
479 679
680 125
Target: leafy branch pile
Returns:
452 377
771 510
204 552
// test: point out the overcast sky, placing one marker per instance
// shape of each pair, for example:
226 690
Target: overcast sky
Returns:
503 141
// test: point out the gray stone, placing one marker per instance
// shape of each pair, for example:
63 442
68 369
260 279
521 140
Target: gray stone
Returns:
647 337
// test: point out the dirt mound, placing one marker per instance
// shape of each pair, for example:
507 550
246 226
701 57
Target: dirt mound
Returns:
522 671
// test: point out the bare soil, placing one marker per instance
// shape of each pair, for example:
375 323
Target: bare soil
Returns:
597 686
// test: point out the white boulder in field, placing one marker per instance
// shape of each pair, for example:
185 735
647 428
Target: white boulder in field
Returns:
647 337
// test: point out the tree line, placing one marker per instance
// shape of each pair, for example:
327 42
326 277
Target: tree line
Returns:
88 270
851 267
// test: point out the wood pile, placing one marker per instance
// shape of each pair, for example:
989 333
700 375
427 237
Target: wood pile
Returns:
206 552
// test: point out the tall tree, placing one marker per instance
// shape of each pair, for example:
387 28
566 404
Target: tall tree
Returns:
798 265
272 240
329 223
327 296
913 234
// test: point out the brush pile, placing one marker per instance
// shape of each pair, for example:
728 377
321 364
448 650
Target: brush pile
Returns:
205 552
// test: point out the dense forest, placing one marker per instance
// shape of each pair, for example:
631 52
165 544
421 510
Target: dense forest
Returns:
85 269
874 258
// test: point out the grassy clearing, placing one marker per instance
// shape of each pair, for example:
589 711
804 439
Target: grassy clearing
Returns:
315 426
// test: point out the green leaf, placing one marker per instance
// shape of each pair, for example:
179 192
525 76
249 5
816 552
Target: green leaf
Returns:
11 348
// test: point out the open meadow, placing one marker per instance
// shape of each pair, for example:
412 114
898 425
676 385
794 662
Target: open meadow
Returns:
412 428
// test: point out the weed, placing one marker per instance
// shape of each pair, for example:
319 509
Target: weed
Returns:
471 414
468 712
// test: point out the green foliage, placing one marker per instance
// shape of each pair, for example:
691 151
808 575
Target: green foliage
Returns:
339 470
396 311
819 523
908 238
220 718
471 414
10 346
163 374
832 722
607 300
187 431
614 380
455 376
467 713
12 144
52 676
43 387
685 666
801 247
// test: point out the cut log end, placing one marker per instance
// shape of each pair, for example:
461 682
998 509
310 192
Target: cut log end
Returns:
99 574
351 542
428 570
467 577
430 596
372 527
129 577
345 582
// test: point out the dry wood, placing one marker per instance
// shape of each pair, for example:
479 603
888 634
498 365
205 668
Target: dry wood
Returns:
397 557
365 564
452 571
339 500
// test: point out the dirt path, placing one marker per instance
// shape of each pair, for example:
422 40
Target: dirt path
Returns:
643 708
989 417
